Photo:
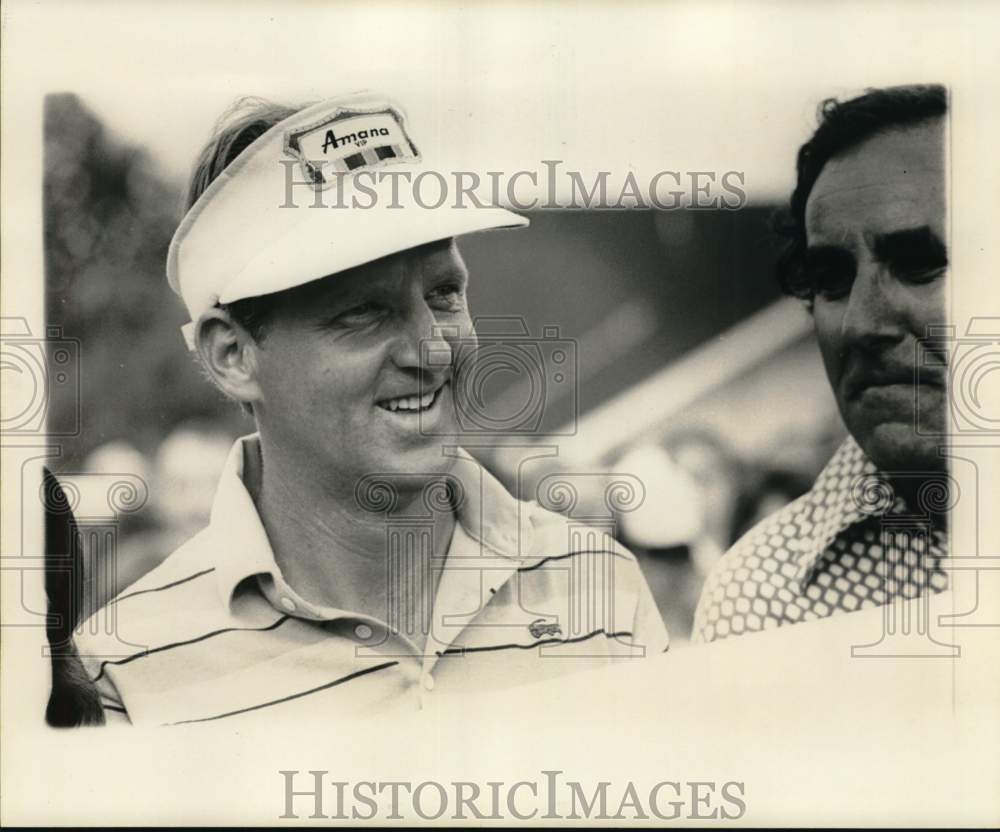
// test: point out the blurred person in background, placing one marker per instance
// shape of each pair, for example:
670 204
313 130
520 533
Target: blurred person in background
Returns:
182 478
187 468
660 531
694 486
117 457
718 474
336 328
867 254
108 569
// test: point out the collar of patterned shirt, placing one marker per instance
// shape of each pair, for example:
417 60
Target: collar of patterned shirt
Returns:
215 632
831 550
849 490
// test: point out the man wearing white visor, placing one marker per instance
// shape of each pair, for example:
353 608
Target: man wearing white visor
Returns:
356 557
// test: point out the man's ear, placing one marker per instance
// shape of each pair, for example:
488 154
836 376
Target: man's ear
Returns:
229 355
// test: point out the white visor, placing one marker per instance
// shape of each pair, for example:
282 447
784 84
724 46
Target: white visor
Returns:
325 190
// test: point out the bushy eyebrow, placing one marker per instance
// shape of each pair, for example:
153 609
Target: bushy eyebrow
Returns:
919 245
910 244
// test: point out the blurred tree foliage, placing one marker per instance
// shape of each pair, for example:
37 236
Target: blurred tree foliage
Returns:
109 217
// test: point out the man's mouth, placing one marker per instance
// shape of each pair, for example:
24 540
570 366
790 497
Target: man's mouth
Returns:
414 403
859 383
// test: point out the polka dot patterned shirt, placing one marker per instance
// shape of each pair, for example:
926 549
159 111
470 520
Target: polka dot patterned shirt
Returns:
848 544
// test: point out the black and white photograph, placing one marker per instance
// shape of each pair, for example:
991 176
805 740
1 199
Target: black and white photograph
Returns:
507 413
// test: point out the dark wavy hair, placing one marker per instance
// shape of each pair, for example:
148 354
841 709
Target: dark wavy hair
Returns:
844 125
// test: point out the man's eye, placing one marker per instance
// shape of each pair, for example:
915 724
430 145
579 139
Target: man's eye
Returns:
449 296
920 274
831 275
361 312
833 283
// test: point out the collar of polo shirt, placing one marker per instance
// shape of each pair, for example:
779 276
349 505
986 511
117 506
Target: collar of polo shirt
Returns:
488 513
317 194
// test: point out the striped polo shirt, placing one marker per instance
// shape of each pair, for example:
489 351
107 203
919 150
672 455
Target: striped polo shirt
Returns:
216 633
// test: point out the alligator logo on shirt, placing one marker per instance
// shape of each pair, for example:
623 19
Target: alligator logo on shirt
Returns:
540 627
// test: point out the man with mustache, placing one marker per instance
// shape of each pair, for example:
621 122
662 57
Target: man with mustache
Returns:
867 254
356 557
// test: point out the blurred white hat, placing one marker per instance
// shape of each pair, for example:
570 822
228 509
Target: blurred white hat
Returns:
189 463
671 513
117 457
257 228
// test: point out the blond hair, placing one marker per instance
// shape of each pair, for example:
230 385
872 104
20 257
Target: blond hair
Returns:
244 121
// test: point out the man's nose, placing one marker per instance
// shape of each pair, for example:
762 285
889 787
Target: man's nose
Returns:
875 312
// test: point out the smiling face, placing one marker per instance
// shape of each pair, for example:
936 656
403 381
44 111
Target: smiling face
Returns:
344 387
876 255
